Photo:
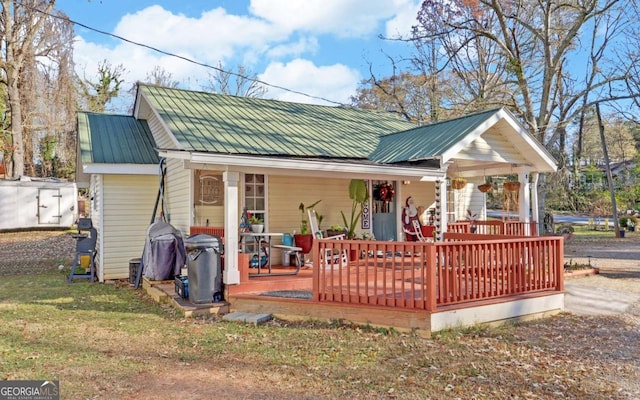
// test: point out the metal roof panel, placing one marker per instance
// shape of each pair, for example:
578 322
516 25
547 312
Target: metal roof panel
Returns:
427 141
210 122
115 139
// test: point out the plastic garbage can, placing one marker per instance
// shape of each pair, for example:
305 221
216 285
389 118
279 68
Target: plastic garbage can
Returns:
204 268
287 255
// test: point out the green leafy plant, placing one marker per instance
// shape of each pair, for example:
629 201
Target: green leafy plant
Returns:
623 222
359 194
304 224
253 220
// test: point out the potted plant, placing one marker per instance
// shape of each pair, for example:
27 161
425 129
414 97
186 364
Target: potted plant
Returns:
358 194
304 239
336 230
623 222
256 224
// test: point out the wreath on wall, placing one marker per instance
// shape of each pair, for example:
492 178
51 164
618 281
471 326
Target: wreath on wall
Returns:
384 192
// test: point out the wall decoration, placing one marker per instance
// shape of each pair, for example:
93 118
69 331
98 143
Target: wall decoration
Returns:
208 188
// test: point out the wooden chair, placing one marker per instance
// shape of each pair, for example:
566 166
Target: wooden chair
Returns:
328 258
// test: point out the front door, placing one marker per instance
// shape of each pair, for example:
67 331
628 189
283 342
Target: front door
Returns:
383 211
49 206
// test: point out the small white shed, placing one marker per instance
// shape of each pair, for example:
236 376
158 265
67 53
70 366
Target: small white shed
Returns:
37 203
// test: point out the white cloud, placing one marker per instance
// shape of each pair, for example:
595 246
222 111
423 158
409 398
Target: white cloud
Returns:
400 25
212 37
343 18
335 82
272 30
308 45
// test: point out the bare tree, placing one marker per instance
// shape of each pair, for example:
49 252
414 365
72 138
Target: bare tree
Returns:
241 82
533 42
161 77
23 39
535 45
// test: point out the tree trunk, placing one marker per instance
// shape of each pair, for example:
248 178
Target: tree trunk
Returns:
609 176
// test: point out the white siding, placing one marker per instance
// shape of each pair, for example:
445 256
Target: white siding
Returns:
128 204
95 212
470 198
286 194
178 195
491 146
160 135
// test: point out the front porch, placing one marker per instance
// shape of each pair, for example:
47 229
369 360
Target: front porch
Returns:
465 280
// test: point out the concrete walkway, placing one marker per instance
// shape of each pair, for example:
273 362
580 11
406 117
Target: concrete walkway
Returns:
614 291
581 299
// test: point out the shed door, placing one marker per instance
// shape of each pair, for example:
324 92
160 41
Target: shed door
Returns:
49 206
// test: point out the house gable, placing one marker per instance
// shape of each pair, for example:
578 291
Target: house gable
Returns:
488 138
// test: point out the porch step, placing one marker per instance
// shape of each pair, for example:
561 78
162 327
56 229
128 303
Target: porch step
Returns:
248 318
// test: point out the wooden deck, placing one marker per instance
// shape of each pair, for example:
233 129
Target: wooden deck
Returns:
406 285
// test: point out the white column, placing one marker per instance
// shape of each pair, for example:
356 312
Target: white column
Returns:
535 216
231 275
524 197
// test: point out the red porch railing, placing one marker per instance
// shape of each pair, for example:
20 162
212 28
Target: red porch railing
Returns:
411 275
516 228
209 230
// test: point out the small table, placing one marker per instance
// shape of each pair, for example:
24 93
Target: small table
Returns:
264 244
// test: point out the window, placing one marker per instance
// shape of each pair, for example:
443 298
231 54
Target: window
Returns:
255 194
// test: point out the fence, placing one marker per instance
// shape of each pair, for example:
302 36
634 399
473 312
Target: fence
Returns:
462 269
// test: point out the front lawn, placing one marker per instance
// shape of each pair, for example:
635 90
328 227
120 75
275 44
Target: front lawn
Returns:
109 341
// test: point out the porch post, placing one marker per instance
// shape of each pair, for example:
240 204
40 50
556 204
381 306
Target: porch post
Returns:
524 199
441 208
231 275
534 198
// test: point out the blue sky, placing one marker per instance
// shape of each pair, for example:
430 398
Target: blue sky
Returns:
320 47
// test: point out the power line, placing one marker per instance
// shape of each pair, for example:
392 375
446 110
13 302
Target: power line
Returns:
155 49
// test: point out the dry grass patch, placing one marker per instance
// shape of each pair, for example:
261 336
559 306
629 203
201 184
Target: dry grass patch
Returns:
109 341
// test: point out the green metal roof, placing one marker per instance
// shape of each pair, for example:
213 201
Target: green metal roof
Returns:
208 122
115 139
428 141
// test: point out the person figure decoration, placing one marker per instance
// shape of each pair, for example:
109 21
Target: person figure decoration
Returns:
410 214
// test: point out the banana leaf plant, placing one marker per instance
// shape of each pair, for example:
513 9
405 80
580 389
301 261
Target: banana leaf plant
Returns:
359 195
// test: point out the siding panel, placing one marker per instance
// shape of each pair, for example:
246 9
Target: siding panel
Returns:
129 201
286 193
178 195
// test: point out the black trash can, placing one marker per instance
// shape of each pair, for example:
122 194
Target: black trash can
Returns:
134 265
204 268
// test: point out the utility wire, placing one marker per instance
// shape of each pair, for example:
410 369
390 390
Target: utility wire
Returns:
155 49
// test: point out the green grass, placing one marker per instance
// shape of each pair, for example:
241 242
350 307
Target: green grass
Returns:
584 231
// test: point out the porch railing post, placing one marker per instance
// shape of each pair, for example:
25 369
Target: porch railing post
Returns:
432 265
316 271
559 247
